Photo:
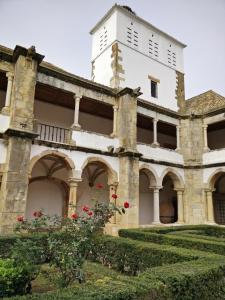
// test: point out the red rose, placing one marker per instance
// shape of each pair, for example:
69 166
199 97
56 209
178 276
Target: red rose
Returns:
114 196
20 219
85 208
99 186
74 216
90 213
126 204
38 214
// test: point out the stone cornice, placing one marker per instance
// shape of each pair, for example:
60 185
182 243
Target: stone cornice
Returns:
25 52
20 133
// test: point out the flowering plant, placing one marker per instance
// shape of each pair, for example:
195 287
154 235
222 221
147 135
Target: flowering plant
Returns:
69 238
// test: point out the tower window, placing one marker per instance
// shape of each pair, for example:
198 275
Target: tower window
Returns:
154 89
154 82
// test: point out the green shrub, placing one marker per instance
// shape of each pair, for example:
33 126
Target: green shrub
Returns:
14 280
133 257
174 240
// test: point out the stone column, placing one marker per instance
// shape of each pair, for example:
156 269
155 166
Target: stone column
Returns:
76 124
128 189
210 211
20 134
206 148
155 140
115 114
180 206
156 206
178 137
73 183
6 108
112 190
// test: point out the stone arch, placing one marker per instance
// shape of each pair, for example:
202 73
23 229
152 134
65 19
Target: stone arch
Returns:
112 174
49 175
151 174
215 199
172 185
175 176
214 177
69 162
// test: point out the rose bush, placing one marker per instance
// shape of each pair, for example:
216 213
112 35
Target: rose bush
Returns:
69 238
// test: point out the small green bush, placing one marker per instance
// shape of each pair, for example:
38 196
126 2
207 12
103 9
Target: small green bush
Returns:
14 280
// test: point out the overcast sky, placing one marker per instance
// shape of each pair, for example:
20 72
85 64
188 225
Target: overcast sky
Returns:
60 30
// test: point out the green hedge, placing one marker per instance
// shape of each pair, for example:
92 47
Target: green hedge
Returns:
202 279
133 257
7 242
174 240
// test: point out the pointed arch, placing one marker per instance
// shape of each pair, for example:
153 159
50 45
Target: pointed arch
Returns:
175 176
214 177
112 174
68 161
151 174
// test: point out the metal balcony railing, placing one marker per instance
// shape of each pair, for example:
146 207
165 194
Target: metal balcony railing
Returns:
52 133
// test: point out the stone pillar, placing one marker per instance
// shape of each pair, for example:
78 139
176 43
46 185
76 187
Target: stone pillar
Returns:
178 138
15 178
210 211
73 184
128 157
156 206
76 124
6 108
115 120
180 206
155 139
206 148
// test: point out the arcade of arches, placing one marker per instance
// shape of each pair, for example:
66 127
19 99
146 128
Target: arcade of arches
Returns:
160 203
54 188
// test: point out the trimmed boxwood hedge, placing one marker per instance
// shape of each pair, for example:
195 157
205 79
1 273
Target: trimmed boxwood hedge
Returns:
202 279
155 236
132 257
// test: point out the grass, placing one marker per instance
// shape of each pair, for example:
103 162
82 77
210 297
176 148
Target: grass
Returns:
94 273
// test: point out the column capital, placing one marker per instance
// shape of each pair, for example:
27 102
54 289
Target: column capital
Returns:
155 120
209 190
73 182
155 188
77 97
115 107
9 75
205 126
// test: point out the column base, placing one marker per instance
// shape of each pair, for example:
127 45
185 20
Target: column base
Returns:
5 110
76 127
155 145
206 149
210 223
156 223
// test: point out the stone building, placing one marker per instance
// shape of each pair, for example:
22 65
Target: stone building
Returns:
129 128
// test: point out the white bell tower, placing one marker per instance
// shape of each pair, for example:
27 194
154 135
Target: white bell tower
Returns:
127 51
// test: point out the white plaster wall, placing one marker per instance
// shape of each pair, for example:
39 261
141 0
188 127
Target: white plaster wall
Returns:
102 70
46 195
79 158
2 99
138 67
3 152
4 123
94 141
110 25
215 156
160 154
145 33
145 201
